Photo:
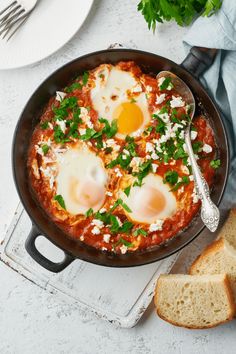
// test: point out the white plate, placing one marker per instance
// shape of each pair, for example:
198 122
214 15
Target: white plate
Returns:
52 24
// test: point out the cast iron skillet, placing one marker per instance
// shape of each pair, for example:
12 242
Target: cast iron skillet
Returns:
195 63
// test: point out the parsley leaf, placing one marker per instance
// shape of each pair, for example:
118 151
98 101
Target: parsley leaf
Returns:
171 177
126 227
72 87
215 163
44 125
60 200
140 232
85 77
90 133
127 190
166 83
89 212
45 149
124 242
120 202
161 127
144 169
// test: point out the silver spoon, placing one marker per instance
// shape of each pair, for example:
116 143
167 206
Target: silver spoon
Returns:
209 212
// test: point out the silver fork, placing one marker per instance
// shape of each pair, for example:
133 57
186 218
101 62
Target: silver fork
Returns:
14 16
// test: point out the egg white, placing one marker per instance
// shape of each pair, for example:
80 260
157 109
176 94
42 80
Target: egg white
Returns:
139 197
81 180
111 88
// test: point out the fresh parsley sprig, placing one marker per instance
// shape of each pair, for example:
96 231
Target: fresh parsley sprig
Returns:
183 12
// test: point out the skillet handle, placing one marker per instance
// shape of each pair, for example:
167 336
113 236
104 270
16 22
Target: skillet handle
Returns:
39 258
198 60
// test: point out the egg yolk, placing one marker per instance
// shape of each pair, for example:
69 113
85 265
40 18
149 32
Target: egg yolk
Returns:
151 202
88 194
129 117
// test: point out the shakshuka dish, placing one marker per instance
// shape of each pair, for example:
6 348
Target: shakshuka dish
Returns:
108 160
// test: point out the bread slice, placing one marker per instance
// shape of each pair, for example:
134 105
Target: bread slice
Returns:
194 301
228 231
217 258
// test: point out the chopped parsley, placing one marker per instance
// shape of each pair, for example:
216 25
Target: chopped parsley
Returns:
85 78
132 100
109 129
144 170
60 201
126 227
185 180
215 163
45 148
138 232
74 86
197 146
127 190
89 212
121 203
166 83
90 133
161 127
171 177
124 242
44 125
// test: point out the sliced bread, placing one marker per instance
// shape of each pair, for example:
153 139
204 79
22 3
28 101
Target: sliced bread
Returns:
194 301
217 259
228 231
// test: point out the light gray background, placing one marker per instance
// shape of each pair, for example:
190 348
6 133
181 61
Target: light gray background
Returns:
30 319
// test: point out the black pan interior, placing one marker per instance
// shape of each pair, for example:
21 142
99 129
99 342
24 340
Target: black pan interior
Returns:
150 63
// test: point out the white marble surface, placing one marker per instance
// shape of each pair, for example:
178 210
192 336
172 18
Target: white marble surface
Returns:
30 319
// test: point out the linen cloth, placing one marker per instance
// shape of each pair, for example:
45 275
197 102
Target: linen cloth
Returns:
219 31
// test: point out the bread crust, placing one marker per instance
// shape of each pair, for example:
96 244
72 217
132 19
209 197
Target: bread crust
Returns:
212 248
229 295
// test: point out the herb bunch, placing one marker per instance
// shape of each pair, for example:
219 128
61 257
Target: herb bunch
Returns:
181 11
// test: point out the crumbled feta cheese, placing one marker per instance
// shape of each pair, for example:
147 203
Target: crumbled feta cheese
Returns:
164 116
61 124
185 147
106 238
118 173
60 95
124 157
184 169
150 147
123 249
157 226
154 167
126 152
102 210
193 134
177 102
207 148
95 230
137 88
112 143
176 127
39 150
191 178
181 190
82 131
85 117
104 249
97 223
50 125
161 80
109 194
160 98
135 162
81 238
149 88
154 156
196 156
181 135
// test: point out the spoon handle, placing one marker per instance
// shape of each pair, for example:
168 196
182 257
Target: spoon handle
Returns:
209 212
